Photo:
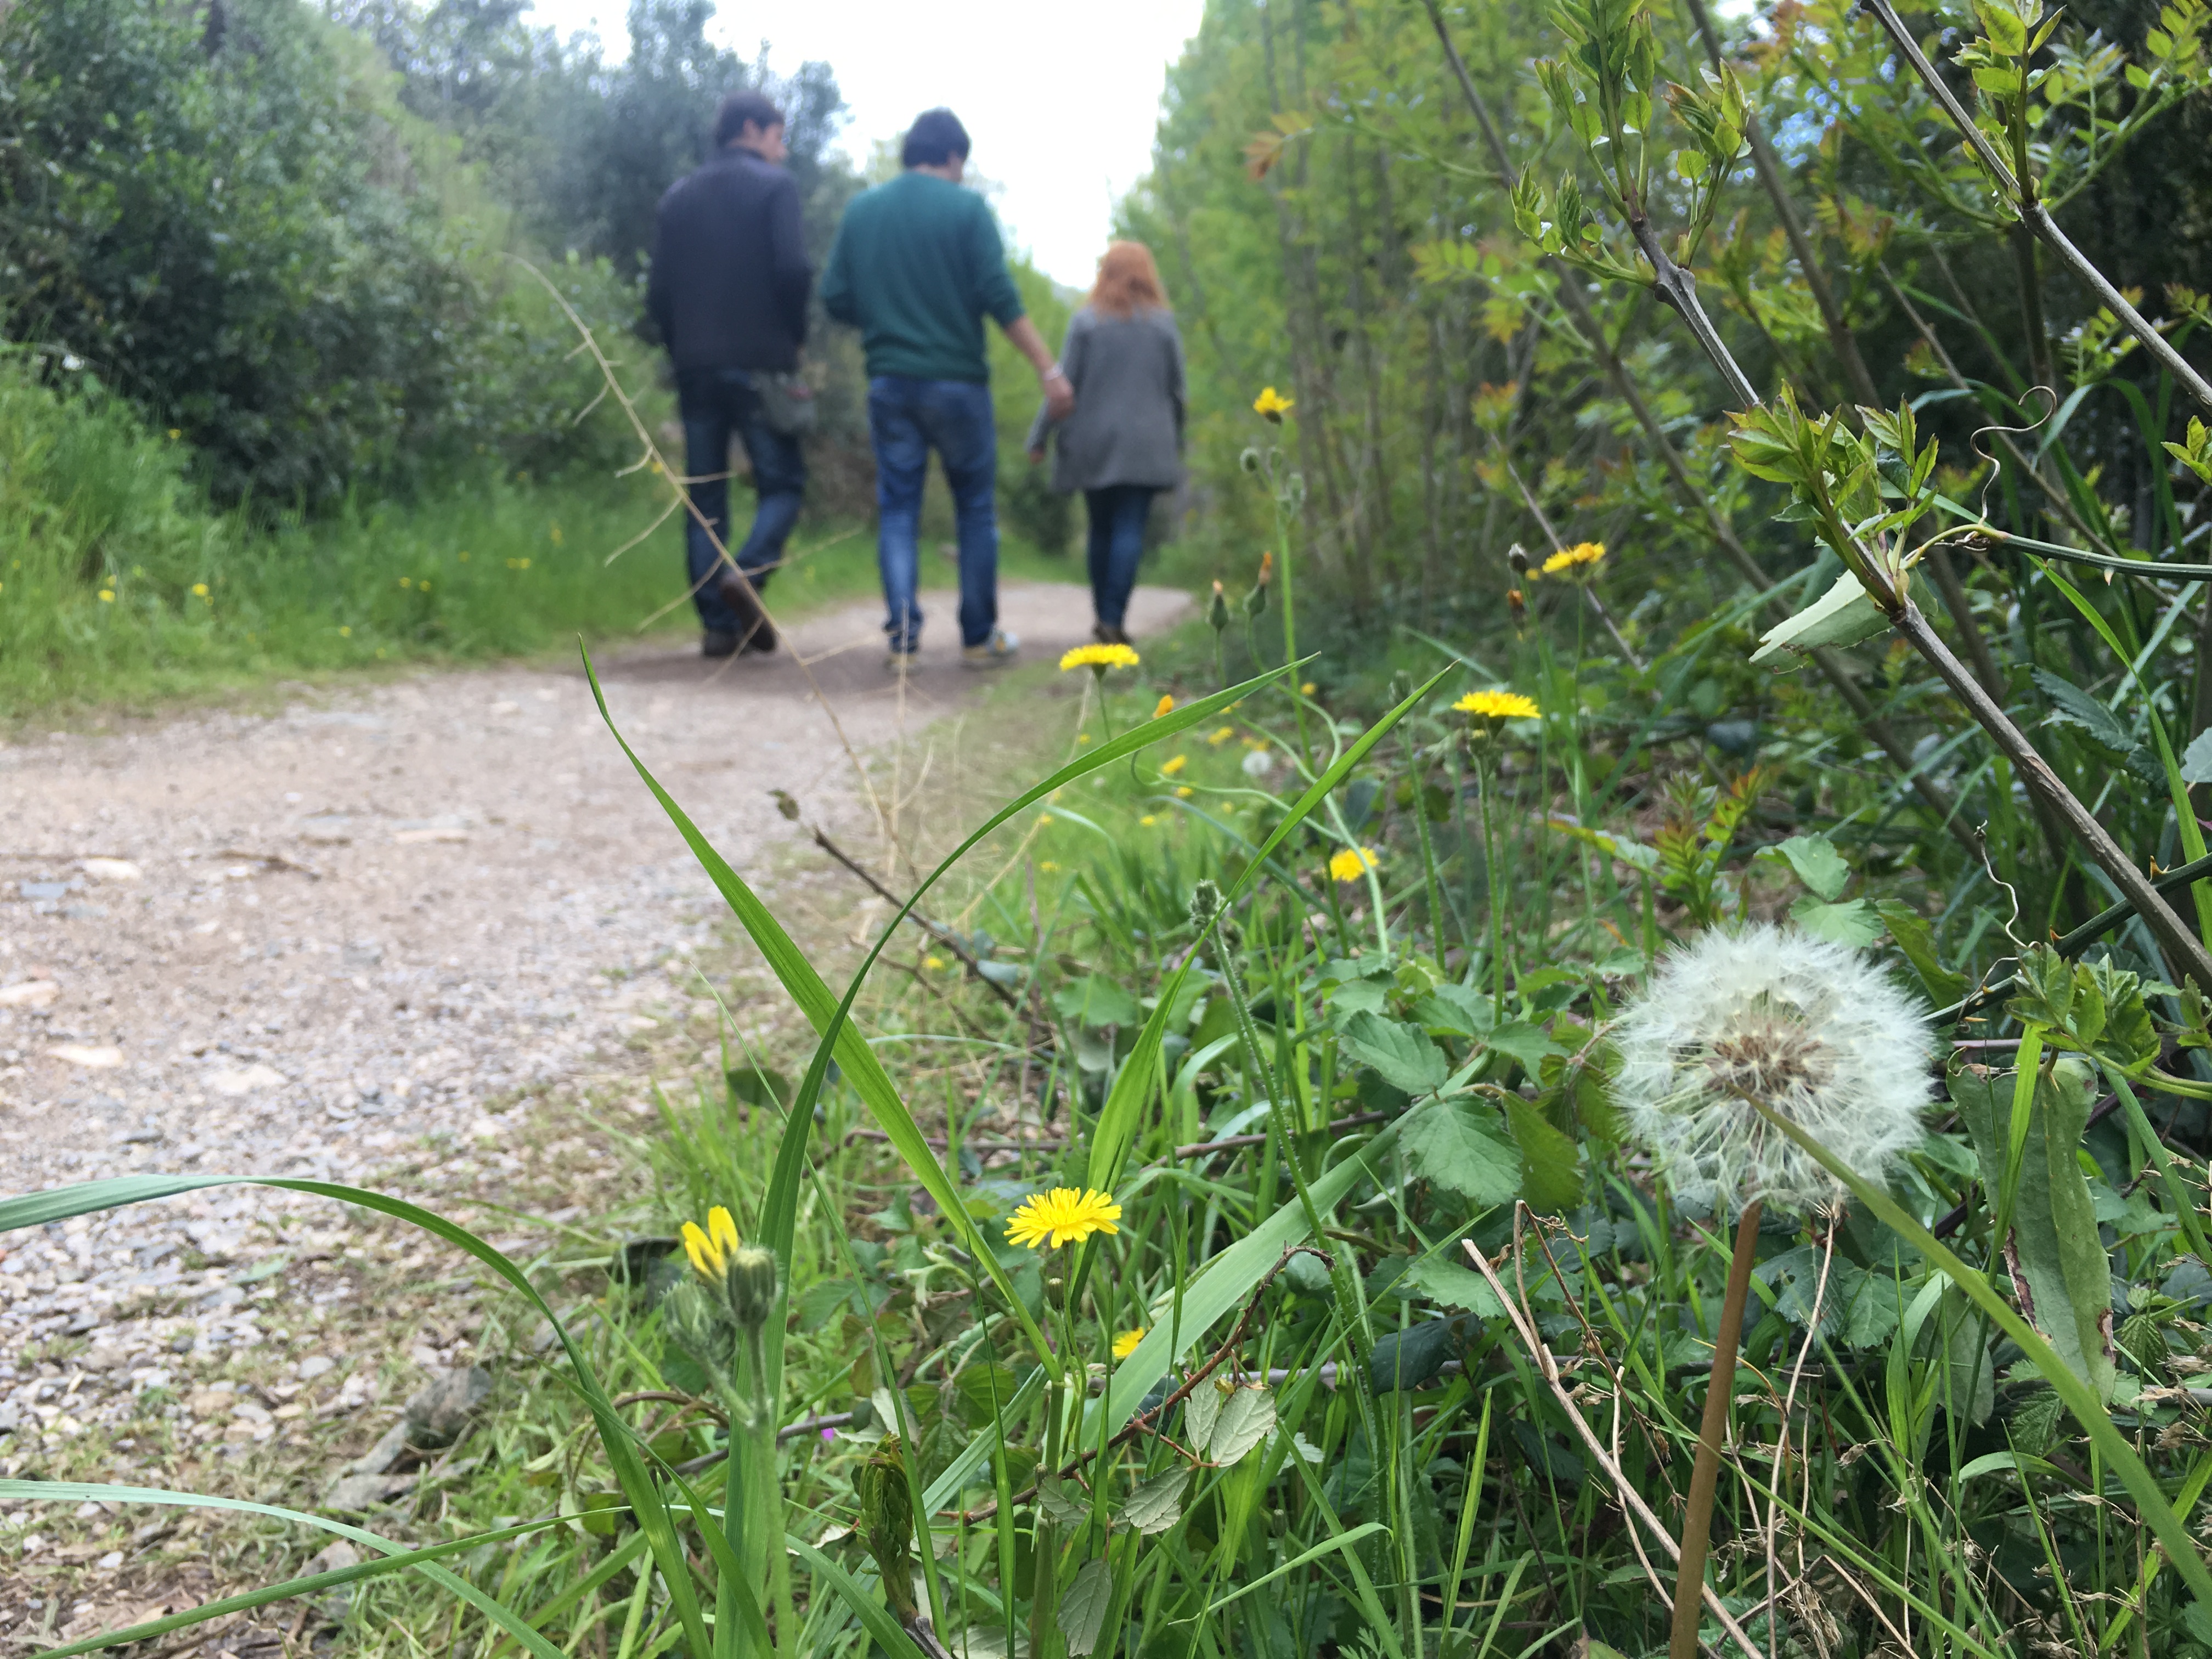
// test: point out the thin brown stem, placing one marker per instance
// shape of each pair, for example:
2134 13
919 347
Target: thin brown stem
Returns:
2033 213
1705 1475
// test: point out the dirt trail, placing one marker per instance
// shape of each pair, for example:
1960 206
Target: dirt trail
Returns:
291 943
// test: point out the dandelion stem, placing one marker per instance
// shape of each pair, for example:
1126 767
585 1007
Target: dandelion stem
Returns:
1705 1475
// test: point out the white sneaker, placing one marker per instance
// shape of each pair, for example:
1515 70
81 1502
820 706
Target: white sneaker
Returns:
994 653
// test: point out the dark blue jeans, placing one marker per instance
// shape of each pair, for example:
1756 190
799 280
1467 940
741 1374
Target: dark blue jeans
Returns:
1117 515
907 419
715 403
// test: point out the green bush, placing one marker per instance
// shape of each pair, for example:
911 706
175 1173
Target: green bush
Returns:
236 225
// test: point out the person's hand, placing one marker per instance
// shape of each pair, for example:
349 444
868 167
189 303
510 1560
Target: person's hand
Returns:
1058 396
1037 455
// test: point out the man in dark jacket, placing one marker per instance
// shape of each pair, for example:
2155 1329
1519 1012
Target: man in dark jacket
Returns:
728 292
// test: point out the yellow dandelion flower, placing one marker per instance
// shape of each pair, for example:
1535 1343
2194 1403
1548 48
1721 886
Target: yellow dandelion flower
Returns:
1184 792
1165 706
406 581
711 1247
1099 658
108 596
1498 706
424 585
1173 765
1351 863
1308 688
522 564
1147 820
345 633
1083 737
199 589
933 962
175 433
1063 1216
1125 1344
1272 405
1576 558
1222 736
1048 866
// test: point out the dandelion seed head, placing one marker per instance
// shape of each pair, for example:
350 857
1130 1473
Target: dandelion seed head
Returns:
1811 1028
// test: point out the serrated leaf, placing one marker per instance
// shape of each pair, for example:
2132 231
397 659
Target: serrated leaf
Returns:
1918 941
1525 1043
1841 616
1083 1609
1203 1408
1854 922
1155 1505
1453 1144
1097 1000
2072 706
1460 1009
1450 1286
1069 1508
1551 1162
1400 1055
2197 759
2064 1279
1247 1417
1817 863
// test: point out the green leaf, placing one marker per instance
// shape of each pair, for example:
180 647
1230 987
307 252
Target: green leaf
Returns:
1201 1409
1450 1286
1400 1055
1551 1162
1524 1042
1460 1010
1097 1000
1854 922
876 1619
1918 941
1842 616
2072 706
2197 759
1453 1144
1247 1418
1817 863
2065 1281
1155 1505
1083 1609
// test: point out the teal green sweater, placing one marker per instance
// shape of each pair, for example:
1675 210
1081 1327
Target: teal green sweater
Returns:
917 267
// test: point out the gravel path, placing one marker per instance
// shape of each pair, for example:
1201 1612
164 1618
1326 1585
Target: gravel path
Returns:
305 943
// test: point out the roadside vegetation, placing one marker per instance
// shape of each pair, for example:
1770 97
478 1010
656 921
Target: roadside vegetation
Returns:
1274 1191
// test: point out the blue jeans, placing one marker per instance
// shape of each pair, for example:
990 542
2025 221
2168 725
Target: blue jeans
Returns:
717 402
907 419
1117 515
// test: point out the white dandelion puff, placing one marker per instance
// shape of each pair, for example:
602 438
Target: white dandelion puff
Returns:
1813 1029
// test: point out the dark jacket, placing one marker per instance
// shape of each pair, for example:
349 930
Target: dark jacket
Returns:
730 276
1127 424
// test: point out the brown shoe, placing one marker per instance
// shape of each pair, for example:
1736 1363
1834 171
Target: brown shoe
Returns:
755 632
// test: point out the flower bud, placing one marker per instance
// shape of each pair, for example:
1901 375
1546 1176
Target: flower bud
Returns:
1205 902
1217 609
751 1286
887 1521
1517 556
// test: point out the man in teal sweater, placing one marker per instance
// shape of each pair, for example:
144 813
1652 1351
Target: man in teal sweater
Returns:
917 266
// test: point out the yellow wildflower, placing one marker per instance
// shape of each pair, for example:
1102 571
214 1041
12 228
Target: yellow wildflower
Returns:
1222 736
1351 863
1576 559
933 962
1308 688
1099 658
1125 1344
108 596
1272 405
1147 820
1183 792
199 589
1173 765
710 1246
1498 706
345 633
1062 1217
1165 706
1048 866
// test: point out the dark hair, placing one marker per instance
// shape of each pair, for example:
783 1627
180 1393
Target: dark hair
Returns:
738 109
935 138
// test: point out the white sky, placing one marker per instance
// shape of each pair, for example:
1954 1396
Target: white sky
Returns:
1059 101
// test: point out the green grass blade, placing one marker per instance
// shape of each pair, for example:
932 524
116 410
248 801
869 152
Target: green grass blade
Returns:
616 1438
947 1487
1336 1542
874 1617
2080 1399
395 1558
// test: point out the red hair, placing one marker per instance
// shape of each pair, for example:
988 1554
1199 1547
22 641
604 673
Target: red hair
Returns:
1129 281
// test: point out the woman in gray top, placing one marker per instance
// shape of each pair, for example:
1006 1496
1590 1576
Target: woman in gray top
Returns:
1123 443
